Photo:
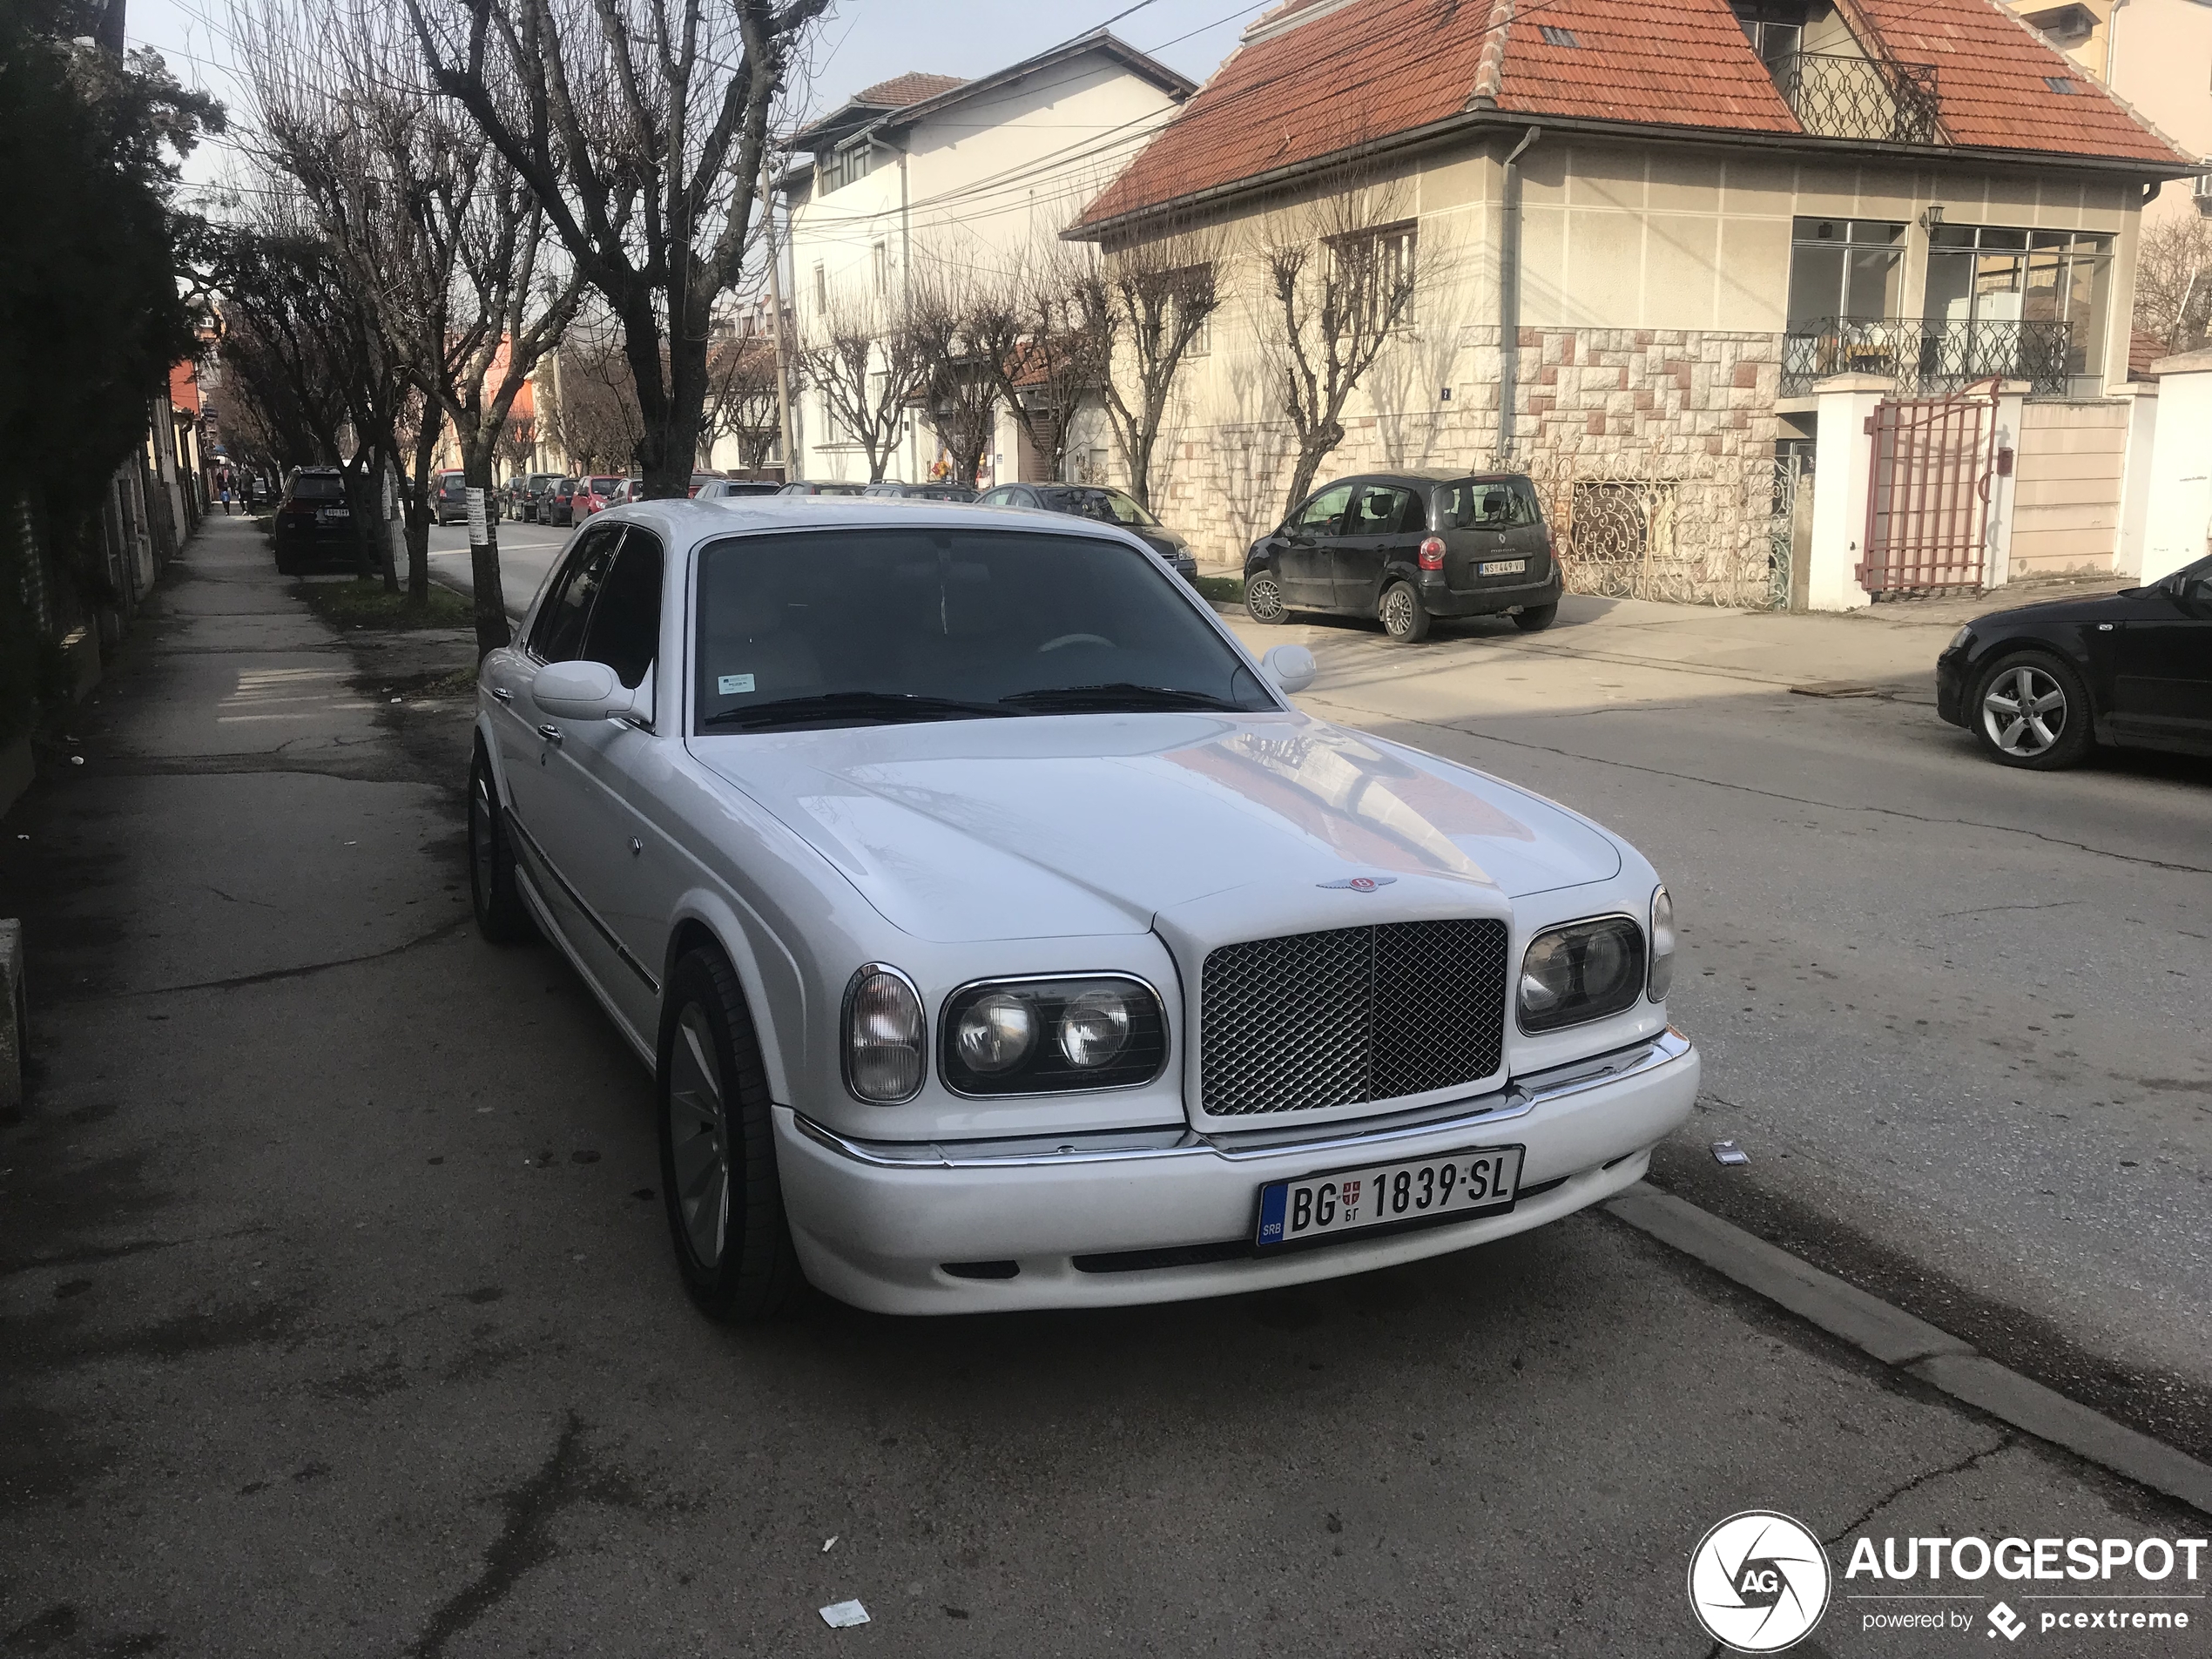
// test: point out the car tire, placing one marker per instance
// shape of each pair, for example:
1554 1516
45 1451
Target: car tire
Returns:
1263 599
2012 708
1404 617
717 1150
501 916
1533 619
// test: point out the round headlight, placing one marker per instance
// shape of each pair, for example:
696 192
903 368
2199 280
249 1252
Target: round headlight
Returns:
883 1037
996 1034
1547 974
1663 944
1094 1028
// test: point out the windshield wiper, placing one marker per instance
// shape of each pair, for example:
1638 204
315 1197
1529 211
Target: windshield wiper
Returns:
853 708
1118 695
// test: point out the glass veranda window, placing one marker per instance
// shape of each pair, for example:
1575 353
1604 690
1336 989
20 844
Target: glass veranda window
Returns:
1851 269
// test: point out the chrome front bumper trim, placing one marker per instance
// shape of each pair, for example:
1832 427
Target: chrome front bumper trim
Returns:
1517 1099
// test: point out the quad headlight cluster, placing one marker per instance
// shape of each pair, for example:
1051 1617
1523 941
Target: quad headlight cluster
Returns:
1020 1037
1587 970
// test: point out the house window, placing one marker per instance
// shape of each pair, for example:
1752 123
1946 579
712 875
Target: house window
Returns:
847 163
1776 29
1987 273
1374 269
1196 281
1555 35
1848 268
879 263
821 291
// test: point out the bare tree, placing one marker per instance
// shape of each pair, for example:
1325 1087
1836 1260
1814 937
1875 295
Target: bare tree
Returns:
864 362
639 125
1049 336
591 408
2174 282
741 402
951 323
1339 280
518 443
1158 299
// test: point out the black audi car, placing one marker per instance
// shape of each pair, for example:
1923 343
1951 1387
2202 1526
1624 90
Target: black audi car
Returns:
1108 506
1406 547
2041 685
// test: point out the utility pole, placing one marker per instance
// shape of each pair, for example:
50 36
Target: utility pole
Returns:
776 324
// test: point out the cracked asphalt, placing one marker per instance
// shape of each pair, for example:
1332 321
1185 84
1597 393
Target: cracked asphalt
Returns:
338 1316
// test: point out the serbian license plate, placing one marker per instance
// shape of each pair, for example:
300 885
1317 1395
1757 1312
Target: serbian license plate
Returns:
1502 567
331 515
1479 1182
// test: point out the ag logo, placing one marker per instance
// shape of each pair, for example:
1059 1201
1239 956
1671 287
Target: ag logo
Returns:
1758 1582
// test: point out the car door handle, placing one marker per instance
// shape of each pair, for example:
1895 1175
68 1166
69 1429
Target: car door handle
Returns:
550 733
503 693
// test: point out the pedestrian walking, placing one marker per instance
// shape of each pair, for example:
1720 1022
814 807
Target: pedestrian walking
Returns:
223 488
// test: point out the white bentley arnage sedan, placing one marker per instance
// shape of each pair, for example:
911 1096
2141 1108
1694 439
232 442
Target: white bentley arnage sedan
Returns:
1001 936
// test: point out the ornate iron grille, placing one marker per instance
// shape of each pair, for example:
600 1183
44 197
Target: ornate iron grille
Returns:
1928 356
1837 96
1312 1021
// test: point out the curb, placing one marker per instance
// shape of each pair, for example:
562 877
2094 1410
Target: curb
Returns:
1895 1337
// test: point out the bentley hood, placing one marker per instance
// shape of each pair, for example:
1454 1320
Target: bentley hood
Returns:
1092 825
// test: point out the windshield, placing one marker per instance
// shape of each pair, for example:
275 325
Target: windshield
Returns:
1109 506
605 486
855 627
317 486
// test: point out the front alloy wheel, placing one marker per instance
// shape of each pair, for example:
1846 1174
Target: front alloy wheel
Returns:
726 1210
2032 711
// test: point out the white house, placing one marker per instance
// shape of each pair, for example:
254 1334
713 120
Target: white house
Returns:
929 168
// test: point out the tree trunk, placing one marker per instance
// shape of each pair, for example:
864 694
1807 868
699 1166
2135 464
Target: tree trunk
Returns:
1312 452
492 632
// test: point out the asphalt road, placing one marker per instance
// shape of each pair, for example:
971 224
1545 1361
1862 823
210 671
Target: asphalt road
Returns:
336 1316
526 553
1955 1013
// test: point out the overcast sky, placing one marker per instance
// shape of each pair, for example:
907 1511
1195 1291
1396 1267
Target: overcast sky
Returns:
861 42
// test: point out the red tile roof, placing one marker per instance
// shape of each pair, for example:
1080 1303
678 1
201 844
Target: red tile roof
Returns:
1993 73
902 90
1376 68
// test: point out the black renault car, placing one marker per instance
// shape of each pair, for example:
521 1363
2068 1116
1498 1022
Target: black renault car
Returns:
315 525
449 501
2041 685
1108 506
1408 547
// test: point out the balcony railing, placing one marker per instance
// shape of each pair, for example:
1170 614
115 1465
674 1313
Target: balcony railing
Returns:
1928 356
1839 96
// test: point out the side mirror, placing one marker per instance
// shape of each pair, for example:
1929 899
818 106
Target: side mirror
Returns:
1291 667
578 691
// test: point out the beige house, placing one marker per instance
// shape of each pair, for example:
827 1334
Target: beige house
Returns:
1644 234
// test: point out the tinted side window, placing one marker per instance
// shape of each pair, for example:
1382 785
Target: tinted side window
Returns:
559 636
623 631
1386 512
1324 515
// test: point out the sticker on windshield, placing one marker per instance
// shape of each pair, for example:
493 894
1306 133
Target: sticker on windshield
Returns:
731 684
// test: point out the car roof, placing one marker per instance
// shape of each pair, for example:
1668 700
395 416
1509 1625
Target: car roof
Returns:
1422 479
687 523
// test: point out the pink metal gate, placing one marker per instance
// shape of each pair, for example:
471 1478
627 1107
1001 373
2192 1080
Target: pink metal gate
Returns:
1927 502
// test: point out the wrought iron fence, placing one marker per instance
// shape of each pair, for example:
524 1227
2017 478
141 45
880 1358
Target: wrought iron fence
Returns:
1839 96
1928 356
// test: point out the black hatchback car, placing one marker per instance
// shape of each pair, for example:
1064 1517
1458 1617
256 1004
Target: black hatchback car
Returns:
2041 685
1408 547
315 525
920 492
1108 506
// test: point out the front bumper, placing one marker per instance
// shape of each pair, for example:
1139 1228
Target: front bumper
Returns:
876 1224
1438 598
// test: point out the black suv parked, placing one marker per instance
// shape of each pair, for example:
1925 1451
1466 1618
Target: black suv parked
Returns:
314 524
1405 547
1108 506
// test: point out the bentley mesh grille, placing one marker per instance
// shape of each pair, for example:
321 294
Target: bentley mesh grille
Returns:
1310 1021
